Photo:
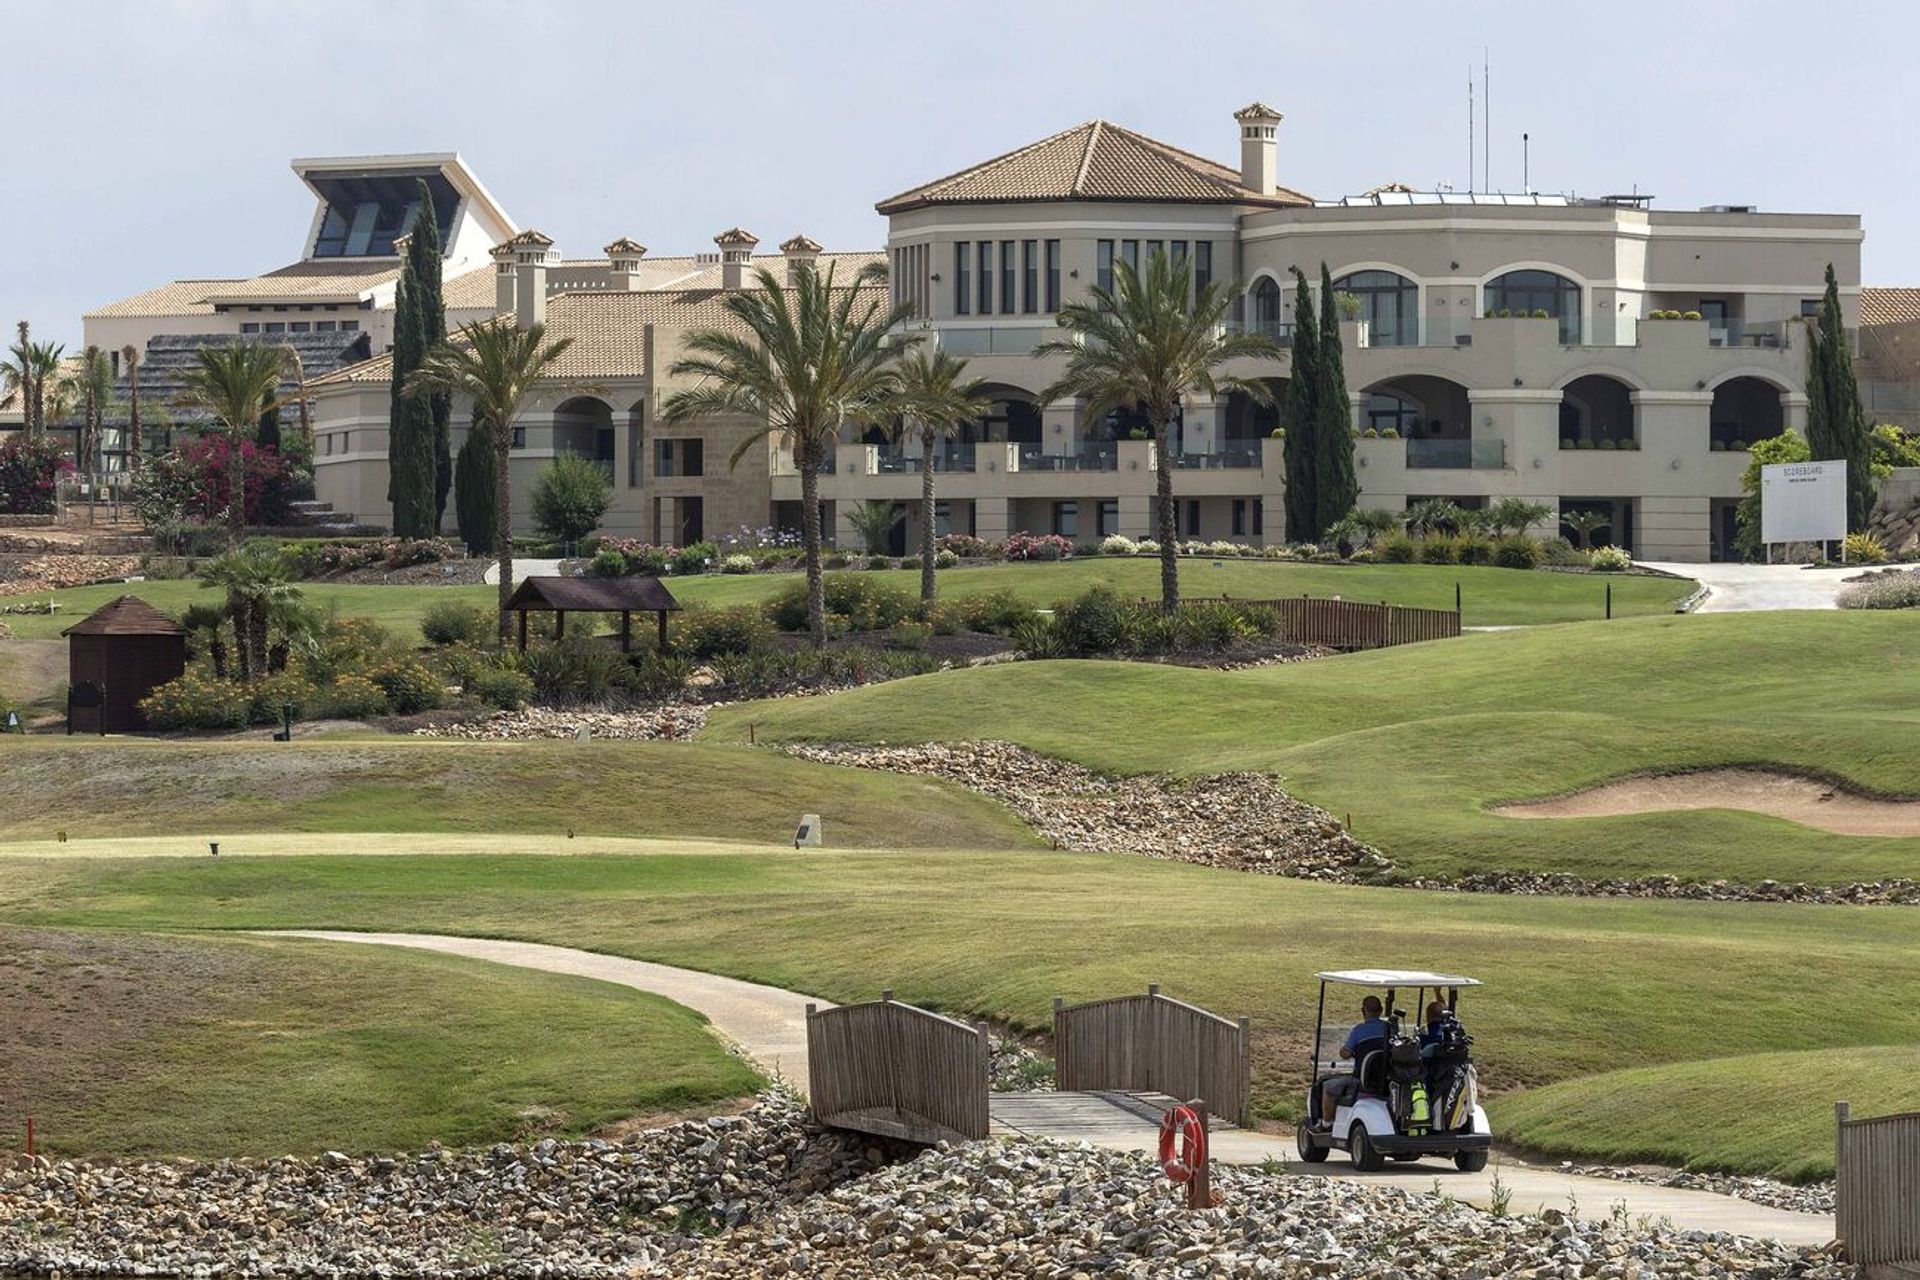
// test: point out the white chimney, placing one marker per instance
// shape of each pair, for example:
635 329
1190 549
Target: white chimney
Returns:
1259 166
623 257
736 255
797 250
527 256
502 255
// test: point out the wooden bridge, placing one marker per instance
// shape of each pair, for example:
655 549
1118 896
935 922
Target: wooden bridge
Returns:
893 1069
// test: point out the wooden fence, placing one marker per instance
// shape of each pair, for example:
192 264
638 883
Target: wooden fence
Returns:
895 1070
1153 1044
1877 1188
1352 624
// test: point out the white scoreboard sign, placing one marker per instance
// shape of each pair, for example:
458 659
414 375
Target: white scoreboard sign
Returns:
1803 502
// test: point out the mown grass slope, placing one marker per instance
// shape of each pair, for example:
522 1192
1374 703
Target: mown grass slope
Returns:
139 1044
1416 742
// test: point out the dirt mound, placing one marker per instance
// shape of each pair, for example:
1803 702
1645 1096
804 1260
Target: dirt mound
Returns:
1807 801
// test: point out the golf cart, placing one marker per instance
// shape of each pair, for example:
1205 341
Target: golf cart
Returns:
1396 1098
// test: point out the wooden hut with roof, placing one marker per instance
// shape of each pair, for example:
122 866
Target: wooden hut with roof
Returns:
116 656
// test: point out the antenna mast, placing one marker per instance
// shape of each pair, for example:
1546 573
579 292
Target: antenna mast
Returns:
1526 165
1470 162
1486 122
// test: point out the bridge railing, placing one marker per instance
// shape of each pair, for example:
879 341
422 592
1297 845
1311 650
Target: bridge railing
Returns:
889 1068
1876 1164
1154 1044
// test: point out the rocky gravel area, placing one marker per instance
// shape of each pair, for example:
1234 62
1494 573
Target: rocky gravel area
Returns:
1015 1067
671 721
1242 821
23 575
764 1194
1813 1197
1246 822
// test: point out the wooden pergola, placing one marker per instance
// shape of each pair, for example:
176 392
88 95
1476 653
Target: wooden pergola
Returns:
624 596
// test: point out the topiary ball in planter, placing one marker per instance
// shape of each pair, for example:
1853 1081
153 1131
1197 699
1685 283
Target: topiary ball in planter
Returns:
1540 313
1567 442
1631 446
1718 446
1390 434
1607 445
1584 444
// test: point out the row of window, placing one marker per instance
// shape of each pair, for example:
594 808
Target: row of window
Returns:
1249 517
1020 277
1199 255
301 326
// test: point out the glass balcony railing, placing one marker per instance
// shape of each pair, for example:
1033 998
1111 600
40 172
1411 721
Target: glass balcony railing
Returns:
990 340
1456 455
1730 332
945 460
1095 458
1226 460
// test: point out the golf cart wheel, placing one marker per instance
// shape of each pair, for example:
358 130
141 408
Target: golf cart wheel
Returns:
1310 1151
1469 1161
1365 1157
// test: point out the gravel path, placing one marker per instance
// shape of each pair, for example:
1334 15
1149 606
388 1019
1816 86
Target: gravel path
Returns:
1742 588
770 1025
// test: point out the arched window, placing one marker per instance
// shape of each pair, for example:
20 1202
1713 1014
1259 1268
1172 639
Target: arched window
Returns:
1389 303
1524 292
1268 307
1387 411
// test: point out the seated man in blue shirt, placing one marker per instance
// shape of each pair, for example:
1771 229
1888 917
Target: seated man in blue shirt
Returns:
1372 1026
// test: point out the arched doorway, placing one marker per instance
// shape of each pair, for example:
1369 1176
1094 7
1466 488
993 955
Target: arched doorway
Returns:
1597 411
1431 413
1745 409
584 425
1530 290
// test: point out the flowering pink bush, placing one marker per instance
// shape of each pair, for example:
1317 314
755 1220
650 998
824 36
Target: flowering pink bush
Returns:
966 546
1038 546
266 479
618 556
321 559
29 472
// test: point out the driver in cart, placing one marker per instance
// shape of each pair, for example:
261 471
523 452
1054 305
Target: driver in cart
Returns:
1371 1027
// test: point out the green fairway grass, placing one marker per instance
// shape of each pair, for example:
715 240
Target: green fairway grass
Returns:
255 1046
1757 1113
1416 742
1575 986
130 787
1490 597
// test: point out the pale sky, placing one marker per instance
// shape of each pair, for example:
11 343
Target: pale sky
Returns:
147 141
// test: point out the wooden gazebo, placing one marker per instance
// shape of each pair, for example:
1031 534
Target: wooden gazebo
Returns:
624 596
116 656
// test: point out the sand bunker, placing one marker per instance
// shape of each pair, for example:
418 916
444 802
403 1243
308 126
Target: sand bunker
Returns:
1778 795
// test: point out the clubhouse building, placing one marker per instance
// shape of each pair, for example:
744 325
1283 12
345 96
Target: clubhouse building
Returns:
1498 345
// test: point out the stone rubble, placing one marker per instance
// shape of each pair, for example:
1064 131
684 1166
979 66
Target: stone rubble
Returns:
50 572
1247 822
1242 821
668 721
764 1194
1812 1197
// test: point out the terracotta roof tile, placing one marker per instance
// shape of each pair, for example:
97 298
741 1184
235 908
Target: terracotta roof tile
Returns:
177 298
1889 306
1093 161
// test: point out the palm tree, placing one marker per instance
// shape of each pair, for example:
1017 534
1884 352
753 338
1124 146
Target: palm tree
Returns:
937 399
801 362
16 373
496 366
299 367
90 385
1434 515
258 588
1585 522
1516 514
1152 341
130 355
238 384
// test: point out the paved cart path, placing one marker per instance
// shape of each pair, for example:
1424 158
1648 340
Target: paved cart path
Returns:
1739 588
770 1025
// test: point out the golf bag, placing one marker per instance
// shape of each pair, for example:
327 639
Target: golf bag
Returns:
1407 1086
1453 1084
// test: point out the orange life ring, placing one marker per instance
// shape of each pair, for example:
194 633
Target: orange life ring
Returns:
1183 1143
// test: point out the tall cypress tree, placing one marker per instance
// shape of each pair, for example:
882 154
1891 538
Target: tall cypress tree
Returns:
1335 488
417 436
1836 423
474 494
1302 418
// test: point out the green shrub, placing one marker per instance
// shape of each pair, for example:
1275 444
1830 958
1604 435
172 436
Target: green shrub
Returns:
1558 551
266 697
196 701
1584 444
607 563
352 697
739 562
348 645
865 603
450 622
1517 551
1213 626
909 635
705 633
1037 637
579 670
1864 548
1891 590
1474 549
570 494
1098 622
835 561
877 562
1439 548
693 558
410 685
1398 548
944 559
997 612
503 688
1607 445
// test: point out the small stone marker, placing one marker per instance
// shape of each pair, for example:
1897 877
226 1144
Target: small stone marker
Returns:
808 833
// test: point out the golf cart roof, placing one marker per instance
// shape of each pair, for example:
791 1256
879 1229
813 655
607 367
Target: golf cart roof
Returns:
1396 978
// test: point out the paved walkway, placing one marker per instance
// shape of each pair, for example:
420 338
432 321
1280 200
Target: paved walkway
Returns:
770 1025
522 570
1742 587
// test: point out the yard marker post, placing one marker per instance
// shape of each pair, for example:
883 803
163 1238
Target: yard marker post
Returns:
1609 602
30 1134
1200 1186
1456 597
